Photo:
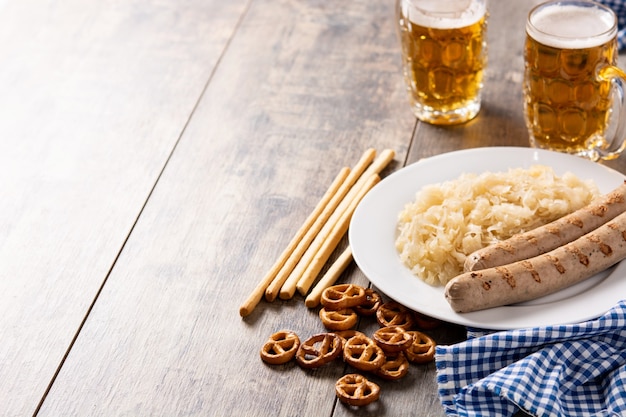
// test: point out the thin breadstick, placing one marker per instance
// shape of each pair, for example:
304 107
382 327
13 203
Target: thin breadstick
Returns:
272 290
330 277
254 298
379 164
289 287
331 243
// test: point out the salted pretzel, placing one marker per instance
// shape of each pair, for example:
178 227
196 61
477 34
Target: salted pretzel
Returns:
422 350
338 319
319 350
339 297
280 348
393 339
363 353
370 305
356 390
395 367
394 314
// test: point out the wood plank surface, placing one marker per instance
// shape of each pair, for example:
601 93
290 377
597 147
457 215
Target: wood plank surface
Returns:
94 98
191 140
304 88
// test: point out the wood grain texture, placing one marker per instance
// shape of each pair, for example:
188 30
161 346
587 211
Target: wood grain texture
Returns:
288 106
94 98
239 114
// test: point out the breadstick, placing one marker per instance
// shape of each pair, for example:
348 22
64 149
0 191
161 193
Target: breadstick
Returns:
330 277
379 164
254 298
289 287
272 290
331 242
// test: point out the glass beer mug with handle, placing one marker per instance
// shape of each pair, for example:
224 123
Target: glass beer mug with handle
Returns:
573 92
444 53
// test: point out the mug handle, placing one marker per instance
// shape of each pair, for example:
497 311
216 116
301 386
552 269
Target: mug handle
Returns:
614 142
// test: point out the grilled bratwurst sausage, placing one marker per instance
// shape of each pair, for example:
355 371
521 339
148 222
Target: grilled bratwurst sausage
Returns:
542 275
546 238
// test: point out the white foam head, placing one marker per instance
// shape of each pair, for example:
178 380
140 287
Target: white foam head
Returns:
444 14
571 25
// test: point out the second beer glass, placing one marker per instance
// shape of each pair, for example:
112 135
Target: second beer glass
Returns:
444 55
573 93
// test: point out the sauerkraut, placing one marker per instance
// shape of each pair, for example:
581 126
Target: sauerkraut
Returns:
446 222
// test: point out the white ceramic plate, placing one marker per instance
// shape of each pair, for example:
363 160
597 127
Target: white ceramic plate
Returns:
372 236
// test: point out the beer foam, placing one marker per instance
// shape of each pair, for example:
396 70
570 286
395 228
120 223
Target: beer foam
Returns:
571 26
444 14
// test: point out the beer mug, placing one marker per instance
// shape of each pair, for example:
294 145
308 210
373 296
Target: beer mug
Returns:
444 53
573 92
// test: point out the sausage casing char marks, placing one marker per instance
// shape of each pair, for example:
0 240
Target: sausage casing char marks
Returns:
541 275
546 238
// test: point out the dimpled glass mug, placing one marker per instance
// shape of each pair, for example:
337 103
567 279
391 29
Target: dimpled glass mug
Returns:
444 54
573 92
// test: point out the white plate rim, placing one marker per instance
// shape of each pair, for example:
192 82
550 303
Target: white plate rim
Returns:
373 226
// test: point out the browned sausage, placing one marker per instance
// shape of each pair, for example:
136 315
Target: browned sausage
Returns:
542 275
546 238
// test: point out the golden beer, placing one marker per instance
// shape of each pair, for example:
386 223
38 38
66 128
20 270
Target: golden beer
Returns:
444 55
567 100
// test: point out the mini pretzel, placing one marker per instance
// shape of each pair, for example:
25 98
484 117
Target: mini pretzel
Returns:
393 339
338 320
347 334
422 349
394 314
425 322
395 367
371 303
339 297
356 390
319 350
363 353
280 348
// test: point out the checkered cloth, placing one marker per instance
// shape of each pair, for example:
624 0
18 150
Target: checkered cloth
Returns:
619 7
565 370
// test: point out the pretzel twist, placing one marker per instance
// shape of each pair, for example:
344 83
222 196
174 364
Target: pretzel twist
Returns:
394 314
371 303
363 353
356 390
393 339
348 334
395 367
280 348
425 322
342 296
319 350
422 350
335 320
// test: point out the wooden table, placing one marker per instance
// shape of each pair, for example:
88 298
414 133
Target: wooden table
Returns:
157 156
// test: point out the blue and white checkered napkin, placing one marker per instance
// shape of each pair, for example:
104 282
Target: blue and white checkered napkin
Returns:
565 370
619 7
